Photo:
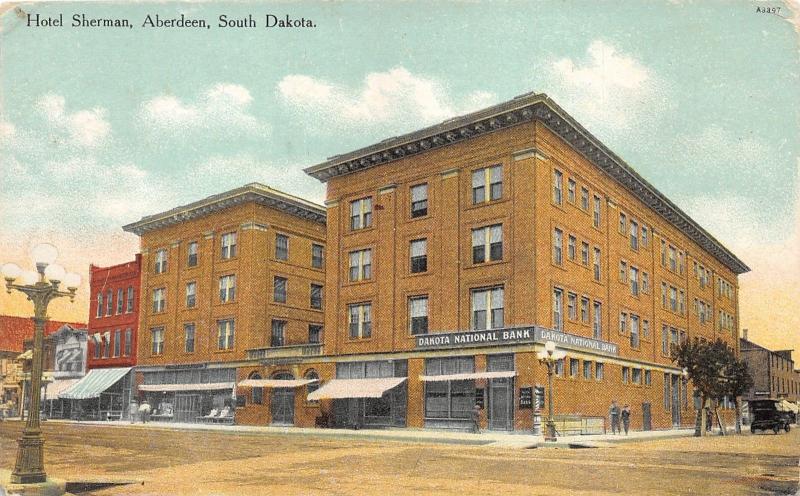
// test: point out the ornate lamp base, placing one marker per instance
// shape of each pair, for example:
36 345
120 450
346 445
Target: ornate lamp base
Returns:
29 468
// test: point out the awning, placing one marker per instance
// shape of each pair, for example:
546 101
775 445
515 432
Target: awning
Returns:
55 388
468 377
355 388
208 386
94 383
276 383
28 355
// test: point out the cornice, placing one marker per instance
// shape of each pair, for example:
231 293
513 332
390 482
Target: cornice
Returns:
524 109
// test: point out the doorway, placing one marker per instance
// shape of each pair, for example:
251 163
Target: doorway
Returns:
647 418
676 400
282 402
501 393
187 407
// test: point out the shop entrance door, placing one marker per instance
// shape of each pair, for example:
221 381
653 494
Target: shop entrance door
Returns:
187 407
501 393
282 406
647 420
676 401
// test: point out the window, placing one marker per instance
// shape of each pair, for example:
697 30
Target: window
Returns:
361 214
225 334
558 309
585 310
584 199
682 302
314 333
279 289
634 232
636 376
281 247
597 264
598 320
487 308
188 337
558 254
667 395
493 176
129 302
623 271
645 237
312 375
360 265
99 305
673 299
228 245
159 301
117 342
598 371
316 296
572 302
120 302
128 341
571 190
664 295
559 368
634 273
317 256
623 222
161 261
419 256
157 340
634 331
596 219
360 320
587 369
487 239
256 393
277 338
623 322
191 254
585 253
227 288
107 344
663 253
191 294
626 374
558 178
646 329
418 314
109 303
571 247
574 363
648 379
665 340
419 201
645 283
673 262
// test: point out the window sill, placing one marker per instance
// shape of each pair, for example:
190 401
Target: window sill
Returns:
352 232
486 264
473 206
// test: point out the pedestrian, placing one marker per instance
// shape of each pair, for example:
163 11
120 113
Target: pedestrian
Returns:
133 409
613 412
144 411
476 419
626 418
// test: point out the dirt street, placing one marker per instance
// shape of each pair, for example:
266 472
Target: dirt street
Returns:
227 463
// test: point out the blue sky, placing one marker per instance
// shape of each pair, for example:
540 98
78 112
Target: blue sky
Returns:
99 126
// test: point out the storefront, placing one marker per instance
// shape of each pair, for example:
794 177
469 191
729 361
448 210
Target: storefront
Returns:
54 406
282 388
190 395
103 394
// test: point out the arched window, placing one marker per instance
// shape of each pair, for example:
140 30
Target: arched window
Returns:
313 386
257 393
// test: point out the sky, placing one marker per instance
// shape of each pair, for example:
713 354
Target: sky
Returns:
100 126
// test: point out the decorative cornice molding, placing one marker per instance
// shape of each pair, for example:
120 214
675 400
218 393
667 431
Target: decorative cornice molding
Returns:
528 153
450 173
254 226
389 188
524 109
208 235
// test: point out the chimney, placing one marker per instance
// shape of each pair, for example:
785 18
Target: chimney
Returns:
744 334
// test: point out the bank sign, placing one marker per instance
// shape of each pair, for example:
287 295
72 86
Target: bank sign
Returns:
514 335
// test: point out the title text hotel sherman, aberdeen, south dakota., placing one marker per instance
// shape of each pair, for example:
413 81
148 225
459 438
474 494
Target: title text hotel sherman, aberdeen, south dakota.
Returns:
441 263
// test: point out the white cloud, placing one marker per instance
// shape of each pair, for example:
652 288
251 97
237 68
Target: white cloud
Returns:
608 89
391 97
223 107
718 149
84 128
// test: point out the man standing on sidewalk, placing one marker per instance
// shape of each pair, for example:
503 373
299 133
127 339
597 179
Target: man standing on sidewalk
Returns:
626 418
614 412
476 419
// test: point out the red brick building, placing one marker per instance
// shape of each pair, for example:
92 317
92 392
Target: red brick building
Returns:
114 314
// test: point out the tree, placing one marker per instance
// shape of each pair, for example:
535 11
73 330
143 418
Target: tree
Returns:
739 383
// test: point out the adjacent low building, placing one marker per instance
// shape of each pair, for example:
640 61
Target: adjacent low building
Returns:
774 374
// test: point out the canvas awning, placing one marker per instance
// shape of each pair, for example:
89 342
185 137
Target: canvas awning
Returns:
276 383
209 386
94 383
786 406
55 388
28 355
355 388
468 376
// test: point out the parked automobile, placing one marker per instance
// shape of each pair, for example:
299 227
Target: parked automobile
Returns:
769 414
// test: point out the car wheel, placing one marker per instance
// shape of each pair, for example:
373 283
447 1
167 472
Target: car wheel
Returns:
775 429
786 428
752 430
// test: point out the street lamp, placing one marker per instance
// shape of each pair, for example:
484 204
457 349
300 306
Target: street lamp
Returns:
41 287
549 357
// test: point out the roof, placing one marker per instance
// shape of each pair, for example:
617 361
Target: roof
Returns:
15 330
528 108
253 192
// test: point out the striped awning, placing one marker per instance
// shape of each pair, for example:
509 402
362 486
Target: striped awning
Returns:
355 388
208 386
55 388
94 383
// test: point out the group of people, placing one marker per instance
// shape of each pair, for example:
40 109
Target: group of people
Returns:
617 415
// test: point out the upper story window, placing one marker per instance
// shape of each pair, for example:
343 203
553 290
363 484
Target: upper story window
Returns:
360 265
225 334
360 320
99 304
571 247
191 294
597 320
419 256
161 261
584 199
645 236
227 288
314 333
673 259
487 308
316 296
558 309
157 340
109 303
491 176
645 283
571 190
558 246
663 253
623 223
585 309
159 300
128 341
317 256
634 273
120 301
558 180
117 342
419 200
487 241
361 213
281 247
129 302
188 337
585 253
418 314
596 213
597 264
191 254
228 245
634 331
278 336
634 232
279 289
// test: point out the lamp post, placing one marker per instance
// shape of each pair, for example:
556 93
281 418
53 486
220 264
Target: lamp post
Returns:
549 357
41 287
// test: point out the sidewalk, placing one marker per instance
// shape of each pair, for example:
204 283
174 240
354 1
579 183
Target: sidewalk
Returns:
486 438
